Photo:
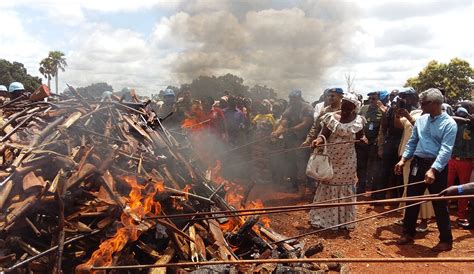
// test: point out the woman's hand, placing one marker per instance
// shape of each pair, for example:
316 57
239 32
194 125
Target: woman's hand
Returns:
317 142
364 140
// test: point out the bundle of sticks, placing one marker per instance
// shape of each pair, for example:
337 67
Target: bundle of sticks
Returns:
82 179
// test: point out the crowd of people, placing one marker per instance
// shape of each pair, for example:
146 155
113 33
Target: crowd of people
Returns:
390 140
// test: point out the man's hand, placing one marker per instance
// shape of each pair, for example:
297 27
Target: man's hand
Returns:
399 167
403 113
363 140
430 176
450 191
276 134
381 106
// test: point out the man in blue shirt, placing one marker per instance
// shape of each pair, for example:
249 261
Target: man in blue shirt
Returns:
430 146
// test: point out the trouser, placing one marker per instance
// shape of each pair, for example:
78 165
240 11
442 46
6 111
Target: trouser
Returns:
419 167
461 169
390 159
368 167
297 159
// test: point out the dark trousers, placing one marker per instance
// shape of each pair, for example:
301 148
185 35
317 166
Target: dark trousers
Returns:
368 167
388 177
440 207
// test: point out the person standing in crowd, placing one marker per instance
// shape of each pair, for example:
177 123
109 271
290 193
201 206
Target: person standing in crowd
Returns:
278 163
166 109
368 162
216 119
390 135
408 120
3 93
295 123
461 163
263 125
16 89
183 104
321 104
430 146
340 126
235 122
334 97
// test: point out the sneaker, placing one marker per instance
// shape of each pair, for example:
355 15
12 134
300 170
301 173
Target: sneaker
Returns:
463 223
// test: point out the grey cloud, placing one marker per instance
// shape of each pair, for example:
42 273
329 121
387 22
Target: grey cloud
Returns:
282 48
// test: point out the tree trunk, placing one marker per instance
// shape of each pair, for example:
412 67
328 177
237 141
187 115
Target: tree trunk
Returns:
49 82
57 70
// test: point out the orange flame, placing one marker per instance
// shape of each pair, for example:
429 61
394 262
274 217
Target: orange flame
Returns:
234 196
137 207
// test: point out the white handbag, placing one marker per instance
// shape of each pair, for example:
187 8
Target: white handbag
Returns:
319 166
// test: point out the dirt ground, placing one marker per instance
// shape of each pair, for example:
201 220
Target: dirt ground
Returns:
370 238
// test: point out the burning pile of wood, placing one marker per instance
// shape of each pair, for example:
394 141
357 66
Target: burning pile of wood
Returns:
82 180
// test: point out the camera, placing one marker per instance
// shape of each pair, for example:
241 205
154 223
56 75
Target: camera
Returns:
399 103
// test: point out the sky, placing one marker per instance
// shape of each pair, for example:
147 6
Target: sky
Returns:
286 45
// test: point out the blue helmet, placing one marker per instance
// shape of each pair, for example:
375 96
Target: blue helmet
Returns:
407 91
383 95
15 86
168 92
3 88
336 90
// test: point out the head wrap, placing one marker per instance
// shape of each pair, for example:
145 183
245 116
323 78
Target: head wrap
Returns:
352 98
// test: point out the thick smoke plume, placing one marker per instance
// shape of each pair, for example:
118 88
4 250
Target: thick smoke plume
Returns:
281 46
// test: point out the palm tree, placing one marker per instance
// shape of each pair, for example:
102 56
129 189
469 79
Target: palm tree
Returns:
46 69
58 62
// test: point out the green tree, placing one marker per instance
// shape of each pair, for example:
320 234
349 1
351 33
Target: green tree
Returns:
95 90
47 70
213 86
57 61
16 72
456 78
259 93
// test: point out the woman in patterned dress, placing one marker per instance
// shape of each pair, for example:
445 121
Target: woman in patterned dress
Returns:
340 126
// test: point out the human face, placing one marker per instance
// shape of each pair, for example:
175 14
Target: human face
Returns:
427 106
373 100
334 98
347 108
